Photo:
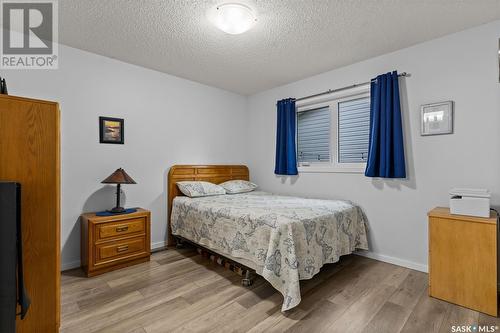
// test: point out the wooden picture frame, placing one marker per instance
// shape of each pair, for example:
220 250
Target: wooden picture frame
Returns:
111 130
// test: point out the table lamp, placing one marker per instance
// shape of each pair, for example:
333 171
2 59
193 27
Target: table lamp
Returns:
118 177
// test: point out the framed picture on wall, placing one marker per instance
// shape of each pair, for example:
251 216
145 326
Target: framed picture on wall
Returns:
111 130
436 118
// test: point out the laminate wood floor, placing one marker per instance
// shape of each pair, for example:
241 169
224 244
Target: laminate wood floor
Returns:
179 291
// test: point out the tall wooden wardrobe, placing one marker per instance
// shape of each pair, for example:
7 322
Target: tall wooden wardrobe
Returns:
29 155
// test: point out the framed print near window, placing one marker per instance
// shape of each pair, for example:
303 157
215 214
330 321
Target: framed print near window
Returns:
111 130
437 118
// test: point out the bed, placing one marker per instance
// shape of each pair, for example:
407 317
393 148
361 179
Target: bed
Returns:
284 239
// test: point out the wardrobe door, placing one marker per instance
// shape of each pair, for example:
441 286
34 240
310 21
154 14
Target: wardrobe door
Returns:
29 155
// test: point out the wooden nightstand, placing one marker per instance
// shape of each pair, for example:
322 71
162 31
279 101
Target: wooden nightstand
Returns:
112 242
463 259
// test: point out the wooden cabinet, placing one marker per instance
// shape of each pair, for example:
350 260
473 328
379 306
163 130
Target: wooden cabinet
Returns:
463 260
29 154
112 242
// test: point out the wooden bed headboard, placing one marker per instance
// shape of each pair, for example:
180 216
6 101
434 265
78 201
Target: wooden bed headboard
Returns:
211 173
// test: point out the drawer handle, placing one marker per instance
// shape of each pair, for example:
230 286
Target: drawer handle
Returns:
122 248
121 229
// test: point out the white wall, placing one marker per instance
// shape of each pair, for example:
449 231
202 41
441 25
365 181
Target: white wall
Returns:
462 67
168 121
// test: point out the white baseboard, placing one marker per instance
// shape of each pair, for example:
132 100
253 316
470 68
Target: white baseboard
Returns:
158 246
71 264
394 261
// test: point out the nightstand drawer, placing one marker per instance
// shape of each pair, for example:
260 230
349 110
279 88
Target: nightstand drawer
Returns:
118 249
121 228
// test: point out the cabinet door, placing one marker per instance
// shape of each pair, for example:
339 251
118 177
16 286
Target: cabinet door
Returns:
29 154
463 263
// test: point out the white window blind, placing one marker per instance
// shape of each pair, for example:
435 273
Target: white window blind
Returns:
353 130
313 135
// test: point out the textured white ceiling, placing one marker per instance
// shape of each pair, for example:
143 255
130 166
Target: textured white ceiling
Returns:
292 39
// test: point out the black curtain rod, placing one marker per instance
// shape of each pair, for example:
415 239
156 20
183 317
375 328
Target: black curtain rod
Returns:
331 91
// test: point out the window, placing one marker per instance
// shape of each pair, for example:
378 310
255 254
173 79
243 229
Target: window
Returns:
354 130
313 135
332 136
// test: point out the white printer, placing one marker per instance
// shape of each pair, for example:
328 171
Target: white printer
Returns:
469 201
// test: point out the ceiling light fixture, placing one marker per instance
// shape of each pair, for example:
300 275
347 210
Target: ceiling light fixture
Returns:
233 18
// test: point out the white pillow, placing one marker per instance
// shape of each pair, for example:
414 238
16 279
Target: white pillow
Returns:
238 186
195 189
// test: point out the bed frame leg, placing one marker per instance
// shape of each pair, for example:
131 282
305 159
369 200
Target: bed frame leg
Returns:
179 244
247 281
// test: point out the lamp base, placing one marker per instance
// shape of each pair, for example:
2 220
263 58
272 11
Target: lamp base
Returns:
116 210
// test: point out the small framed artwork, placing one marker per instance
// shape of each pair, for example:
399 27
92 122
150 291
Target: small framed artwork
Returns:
436 118
111 130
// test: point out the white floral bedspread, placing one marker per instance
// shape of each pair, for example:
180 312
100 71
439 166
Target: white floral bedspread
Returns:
287 238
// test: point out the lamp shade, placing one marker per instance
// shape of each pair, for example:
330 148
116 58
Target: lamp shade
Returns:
119 177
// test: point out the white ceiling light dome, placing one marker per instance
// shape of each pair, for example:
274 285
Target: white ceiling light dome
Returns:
233 18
